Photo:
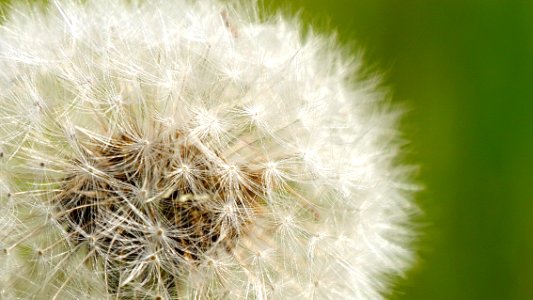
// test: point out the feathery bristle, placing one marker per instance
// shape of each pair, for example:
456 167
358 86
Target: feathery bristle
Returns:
190 150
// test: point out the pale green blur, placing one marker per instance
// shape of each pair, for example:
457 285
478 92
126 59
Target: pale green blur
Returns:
464 70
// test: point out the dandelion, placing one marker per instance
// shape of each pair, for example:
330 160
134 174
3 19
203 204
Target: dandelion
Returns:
192 150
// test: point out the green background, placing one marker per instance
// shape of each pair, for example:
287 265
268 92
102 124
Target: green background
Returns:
464 70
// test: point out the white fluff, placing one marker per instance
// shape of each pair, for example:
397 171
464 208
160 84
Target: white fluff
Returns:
133 109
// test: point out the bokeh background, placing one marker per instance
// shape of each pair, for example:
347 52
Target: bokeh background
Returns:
464 70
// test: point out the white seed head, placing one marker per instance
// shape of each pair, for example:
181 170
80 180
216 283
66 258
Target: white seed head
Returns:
191 150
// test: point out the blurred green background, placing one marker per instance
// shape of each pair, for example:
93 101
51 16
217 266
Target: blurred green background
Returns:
464 69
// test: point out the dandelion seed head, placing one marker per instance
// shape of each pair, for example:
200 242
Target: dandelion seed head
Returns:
192 150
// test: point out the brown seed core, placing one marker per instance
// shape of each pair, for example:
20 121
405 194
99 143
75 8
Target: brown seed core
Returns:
126 187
